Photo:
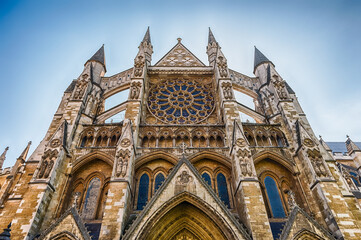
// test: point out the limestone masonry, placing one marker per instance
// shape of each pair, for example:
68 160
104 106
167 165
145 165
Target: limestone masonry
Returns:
182 162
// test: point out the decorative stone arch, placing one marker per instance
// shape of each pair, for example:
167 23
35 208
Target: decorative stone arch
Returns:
154 156
212 156
305 234
188 199
78 163
65 235
258 157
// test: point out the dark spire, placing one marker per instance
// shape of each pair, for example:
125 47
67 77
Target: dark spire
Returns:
351 146
147 36
99 56
211 38
24 154
259 58
6 234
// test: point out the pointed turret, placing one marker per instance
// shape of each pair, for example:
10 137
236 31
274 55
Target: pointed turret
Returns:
99 57
24 154
2 157
324 144
259 58
211 38
147 37
351 146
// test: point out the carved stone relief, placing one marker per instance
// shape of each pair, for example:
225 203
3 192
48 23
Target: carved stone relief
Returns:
122 160
227 90
222 67
47 163
135 90
184 182
244 162
138 66
281 89
317 162
80 87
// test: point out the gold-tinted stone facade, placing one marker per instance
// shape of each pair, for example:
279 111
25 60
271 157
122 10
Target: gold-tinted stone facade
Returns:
181 164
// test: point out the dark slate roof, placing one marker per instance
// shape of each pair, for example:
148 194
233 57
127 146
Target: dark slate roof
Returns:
289 89
71 86
99 56
259 58
147 37
340 146
211 38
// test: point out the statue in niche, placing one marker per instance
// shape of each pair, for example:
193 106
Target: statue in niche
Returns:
184 182
135 90
222 67
47 164
80 87
227 90
122 163
291 199
76 198
138 66
244 156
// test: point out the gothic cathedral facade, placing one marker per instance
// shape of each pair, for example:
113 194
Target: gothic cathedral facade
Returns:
181 164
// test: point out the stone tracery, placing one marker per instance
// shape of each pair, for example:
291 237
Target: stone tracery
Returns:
181 101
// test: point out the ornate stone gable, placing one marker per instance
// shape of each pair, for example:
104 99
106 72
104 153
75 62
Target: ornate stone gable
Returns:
179 56
184 182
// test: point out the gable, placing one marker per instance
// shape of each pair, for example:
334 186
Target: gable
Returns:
301 226
68 226
184 185
179 56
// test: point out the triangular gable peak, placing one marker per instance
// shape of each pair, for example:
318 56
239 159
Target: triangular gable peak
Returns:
300 225
68 226
184 184
179 56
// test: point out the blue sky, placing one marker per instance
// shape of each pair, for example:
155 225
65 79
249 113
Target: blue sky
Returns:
315 45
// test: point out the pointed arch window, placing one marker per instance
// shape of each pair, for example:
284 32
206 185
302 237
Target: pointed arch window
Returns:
91 199
159 179
274 198
143 191
207 178
222 189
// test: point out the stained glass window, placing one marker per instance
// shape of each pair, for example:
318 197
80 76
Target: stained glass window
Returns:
143 191
91 199
181 101
222 189
274 198
207 178
159 179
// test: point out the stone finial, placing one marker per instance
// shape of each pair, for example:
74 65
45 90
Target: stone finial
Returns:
3 156
24 154
5 235
147 36
351 146
211 38
179 40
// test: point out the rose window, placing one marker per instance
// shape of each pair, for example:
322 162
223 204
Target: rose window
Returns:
180 101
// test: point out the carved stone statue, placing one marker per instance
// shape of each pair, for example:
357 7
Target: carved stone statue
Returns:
291 199
317 163
138 66
222 67
47 163
227 90
184 182
244 156
122 163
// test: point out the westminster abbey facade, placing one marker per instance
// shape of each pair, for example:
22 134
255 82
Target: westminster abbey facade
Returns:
182 163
